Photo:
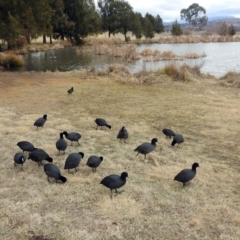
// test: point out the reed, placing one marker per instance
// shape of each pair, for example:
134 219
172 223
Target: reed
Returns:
11 60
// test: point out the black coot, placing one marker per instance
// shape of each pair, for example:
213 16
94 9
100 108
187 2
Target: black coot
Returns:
94 162
73 160
70 91
72 136
61 144
39 155
146 148
19 159
123 134
178 138
54 172
168 133
26 146
187 175
102 123
40 121
114 181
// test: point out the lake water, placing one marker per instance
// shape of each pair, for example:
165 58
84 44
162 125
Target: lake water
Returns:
221 58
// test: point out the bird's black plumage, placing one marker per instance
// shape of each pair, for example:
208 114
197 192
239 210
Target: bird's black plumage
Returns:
19 159
146 147
115 181
39 155
186 175
54 172
73 160
94 162
61 144
168 133
72 136
26 146
122 134
102 123
178 138
70 91
40 121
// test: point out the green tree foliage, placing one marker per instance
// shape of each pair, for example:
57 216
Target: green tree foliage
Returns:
231 30
59 20
82 13
158 24
116 16
136 26
195 15
176 29
148 30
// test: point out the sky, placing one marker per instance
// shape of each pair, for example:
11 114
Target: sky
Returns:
169 10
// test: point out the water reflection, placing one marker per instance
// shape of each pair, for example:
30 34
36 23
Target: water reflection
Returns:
221 58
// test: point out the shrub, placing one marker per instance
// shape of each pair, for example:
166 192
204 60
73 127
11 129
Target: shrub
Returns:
11 60
176 29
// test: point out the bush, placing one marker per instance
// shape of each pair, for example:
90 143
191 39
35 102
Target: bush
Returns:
11 60
176 29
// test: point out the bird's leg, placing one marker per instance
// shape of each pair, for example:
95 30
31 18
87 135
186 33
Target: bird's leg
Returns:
145 156
78 143
95 169
92 169
68 170
71 143
111 194
137 154
48 179
97 127
22 167
116 191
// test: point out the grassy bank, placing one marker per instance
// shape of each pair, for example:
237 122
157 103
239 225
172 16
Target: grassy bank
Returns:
152 205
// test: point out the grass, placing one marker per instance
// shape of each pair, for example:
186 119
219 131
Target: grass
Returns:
152 205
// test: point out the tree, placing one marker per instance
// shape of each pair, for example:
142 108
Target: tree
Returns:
158 24
116 16
231 30
223 29
136 26
176 29
59 21
83 14
148 28
194 15
10 27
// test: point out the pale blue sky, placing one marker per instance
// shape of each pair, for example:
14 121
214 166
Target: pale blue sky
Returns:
170 10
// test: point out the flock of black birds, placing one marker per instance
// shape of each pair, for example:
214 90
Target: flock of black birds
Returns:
113 182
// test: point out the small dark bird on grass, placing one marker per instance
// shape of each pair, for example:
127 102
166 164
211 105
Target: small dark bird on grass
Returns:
39 155
114 181
61 144
54 172
72 136
186 175
40 121
168 133
73 160
178 138
26 146
19 159
102 123
146 148
122 134
94 162
70 91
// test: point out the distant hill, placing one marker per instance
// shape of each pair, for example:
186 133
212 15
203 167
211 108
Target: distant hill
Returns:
212 22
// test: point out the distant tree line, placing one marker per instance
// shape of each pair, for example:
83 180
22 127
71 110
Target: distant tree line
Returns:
24 20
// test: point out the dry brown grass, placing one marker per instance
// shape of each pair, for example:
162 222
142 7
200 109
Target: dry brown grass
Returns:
10 60
231 79
152 205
